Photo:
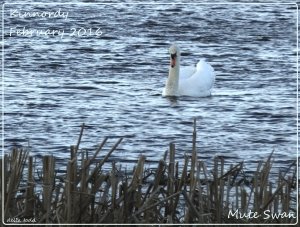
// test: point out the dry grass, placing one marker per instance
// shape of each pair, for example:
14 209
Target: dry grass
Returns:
192 194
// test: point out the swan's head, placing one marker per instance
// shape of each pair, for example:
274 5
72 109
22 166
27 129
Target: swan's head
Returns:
174 55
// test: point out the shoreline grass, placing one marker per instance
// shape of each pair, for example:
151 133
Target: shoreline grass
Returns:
88 194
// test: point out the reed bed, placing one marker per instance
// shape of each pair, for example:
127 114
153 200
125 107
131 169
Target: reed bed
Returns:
175 192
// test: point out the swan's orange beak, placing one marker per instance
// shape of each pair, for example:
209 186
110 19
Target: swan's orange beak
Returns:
173 60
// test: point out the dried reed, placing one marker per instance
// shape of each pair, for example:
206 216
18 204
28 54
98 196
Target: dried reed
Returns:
88 194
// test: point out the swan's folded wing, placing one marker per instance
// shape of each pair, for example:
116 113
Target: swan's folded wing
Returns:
186 72
200 83
204 75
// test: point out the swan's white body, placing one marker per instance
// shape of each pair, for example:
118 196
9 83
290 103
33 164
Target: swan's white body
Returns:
188 81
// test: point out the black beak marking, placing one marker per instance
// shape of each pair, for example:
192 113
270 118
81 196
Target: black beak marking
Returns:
173 56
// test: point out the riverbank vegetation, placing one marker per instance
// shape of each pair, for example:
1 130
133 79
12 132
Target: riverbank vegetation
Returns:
175 192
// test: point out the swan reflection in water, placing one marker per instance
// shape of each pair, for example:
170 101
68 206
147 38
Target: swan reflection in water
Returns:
173 100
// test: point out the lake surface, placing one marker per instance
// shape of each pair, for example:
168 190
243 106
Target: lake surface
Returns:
110 76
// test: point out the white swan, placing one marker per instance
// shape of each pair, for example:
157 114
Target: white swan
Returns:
188 81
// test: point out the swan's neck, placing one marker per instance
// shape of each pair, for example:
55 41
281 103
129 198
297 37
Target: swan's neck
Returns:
173 80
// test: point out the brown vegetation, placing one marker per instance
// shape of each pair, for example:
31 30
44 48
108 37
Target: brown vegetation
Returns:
185 192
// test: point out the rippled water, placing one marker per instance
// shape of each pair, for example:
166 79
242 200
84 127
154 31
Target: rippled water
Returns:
113 82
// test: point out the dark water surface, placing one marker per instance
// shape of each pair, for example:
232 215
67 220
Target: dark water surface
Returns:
111 79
